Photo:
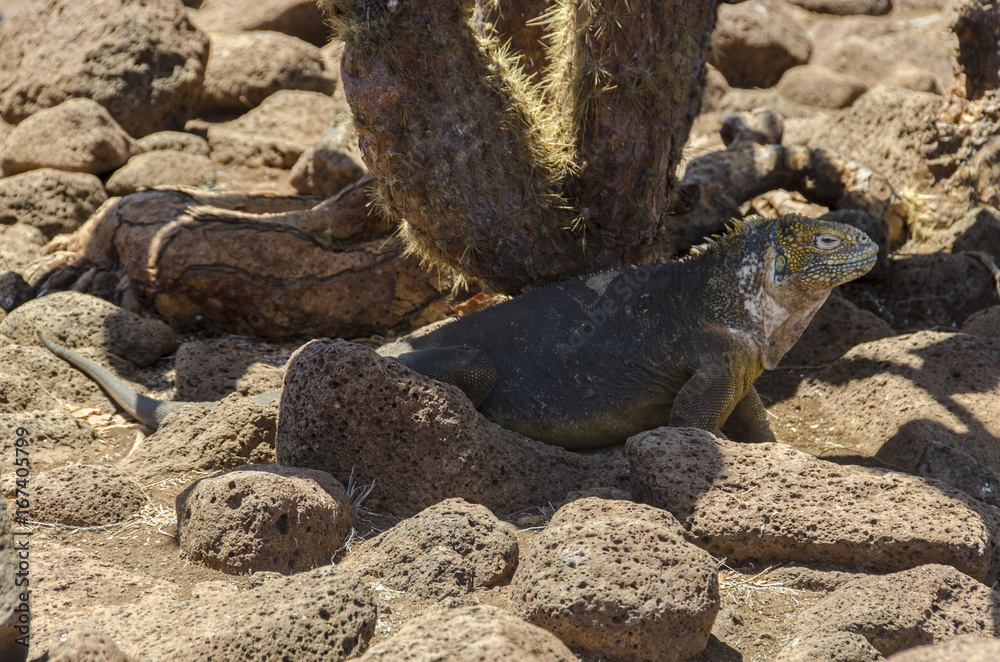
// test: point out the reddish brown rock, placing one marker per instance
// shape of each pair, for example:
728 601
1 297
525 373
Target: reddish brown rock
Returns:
968 648
275 133
984 323
52 382
161 168
53 201
236 431
87 647
846 7
449 549
78 135
892 397
77 320
322 615
144 62
20 244
829 647
244 68
174 141
55 437
344 408
85 495
209 370
298 18
812 85
264 518
884 128
483 633
771 503
619 581
331 163
263 265
755 42
928 604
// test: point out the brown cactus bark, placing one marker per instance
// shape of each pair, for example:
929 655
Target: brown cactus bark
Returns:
507 183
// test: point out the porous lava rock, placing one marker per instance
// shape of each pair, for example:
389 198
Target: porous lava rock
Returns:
244 68
322 615
755 42
20 244
771 503
234 432
161 168
76 320
85 495
829 647
174 141
894 396
967 648
54 201
818 86
344 408
264 518
618 580
449 549
78 135
209 370
482 633
330 164
143 61
924 605
298 18
87 647
984 323
275 133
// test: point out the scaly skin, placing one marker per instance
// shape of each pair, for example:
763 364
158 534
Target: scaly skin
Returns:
591 361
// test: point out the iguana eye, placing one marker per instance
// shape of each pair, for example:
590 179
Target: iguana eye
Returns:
827 241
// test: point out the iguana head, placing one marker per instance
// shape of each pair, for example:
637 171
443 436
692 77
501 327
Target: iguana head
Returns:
784 271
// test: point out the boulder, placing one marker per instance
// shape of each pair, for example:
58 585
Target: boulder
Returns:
234 432
86 647
773 504
446 550
78 135
174 141
619 581
78 320
275 133
262 265
20 244
85 495
264 518
54 201
980 231
829 647
298 18
162 168
846 7
884 129
891 398
755 42
984 323
244 68
209 370
967 648
812 85
56 438
324 615
53 381
432 444
144 62
482 633
331 163
924 605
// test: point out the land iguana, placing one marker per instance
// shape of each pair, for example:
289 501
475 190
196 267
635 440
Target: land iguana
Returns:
591 361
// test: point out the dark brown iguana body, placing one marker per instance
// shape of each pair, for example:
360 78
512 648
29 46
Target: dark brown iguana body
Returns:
591 361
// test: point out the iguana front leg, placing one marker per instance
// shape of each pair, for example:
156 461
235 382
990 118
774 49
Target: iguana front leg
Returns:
720 394
748 422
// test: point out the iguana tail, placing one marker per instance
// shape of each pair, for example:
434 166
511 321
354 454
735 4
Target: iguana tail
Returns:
147 410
